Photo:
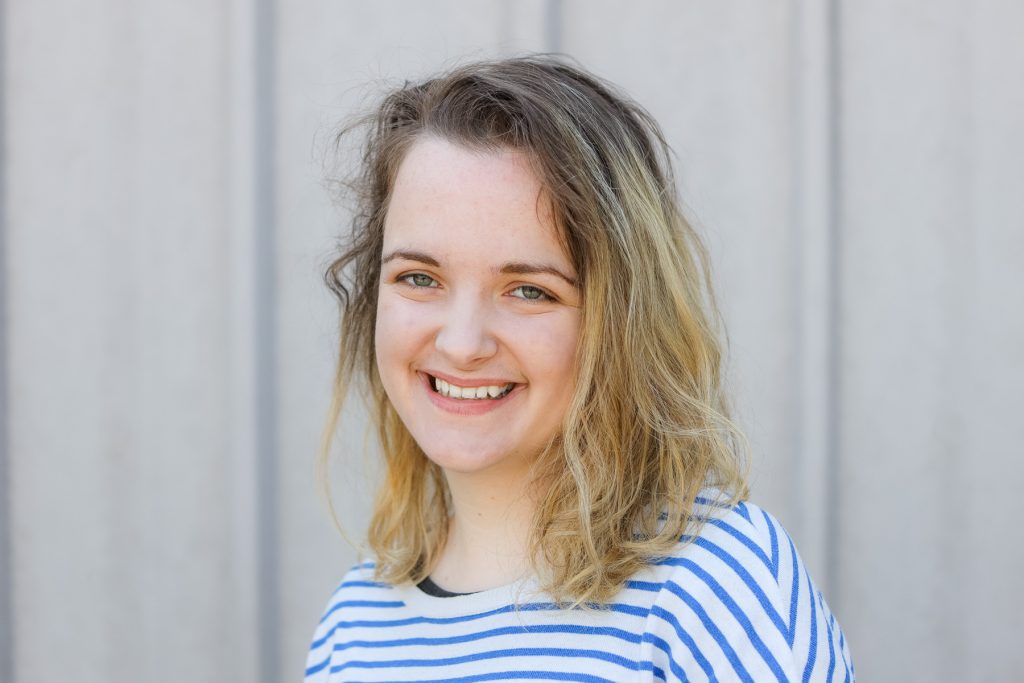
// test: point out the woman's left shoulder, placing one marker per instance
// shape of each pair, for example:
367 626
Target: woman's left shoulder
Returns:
742 521
748 531
730 541
739 577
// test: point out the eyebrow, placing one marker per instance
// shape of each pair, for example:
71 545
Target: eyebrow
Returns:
511 268
411 256
535 268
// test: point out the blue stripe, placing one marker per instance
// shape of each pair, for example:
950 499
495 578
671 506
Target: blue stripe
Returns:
831 647
667 651
318 666
492 633
364 584
361 603
686 639
740 615
775 545
498 654
719 637
692 517
632 610
812 652
742 509
531 675
409 621
318 642
703 500
795 596
358 584
842 651
650 586
752 584
744 539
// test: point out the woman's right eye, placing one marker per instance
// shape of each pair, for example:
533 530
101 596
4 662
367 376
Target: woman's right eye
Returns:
419 280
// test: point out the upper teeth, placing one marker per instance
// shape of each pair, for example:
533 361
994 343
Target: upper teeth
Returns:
455 391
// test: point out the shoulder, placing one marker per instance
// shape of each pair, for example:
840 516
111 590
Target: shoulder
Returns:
358 589
738 599
357 595
359 581
747 538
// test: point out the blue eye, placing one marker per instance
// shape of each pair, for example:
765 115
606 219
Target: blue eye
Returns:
419 280
530 293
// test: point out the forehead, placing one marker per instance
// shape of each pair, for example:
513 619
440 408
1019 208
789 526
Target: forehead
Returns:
475 203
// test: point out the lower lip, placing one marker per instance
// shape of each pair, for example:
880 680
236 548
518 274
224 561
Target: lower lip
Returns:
467 406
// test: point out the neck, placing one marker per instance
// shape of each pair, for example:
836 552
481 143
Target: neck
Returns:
489 533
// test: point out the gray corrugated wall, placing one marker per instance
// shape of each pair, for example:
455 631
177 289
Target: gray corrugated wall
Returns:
168 344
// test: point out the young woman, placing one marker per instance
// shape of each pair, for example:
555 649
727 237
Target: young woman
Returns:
531 320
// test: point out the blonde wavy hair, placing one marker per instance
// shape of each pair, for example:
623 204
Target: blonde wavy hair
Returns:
649 424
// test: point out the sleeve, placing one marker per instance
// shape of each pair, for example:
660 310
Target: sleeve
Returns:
819 647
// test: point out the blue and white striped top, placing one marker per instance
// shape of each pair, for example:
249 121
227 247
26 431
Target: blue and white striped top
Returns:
737 604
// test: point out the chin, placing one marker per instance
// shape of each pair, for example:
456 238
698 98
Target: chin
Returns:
468 457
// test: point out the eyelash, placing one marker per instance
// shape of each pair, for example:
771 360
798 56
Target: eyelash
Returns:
408 279
544 296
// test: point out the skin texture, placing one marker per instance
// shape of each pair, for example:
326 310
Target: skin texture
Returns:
454 302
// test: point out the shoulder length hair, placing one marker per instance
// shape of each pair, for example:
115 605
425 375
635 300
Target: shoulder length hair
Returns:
648 426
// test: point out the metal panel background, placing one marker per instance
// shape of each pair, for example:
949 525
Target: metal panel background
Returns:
932 338
130 490
856 169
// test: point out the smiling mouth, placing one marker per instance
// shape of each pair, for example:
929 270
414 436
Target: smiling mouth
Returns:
491 392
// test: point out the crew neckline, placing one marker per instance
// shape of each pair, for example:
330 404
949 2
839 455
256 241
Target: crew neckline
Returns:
429 587
521 591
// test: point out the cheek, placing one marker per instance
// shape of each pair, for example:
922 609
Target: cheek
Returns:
401 331
552 350
389 345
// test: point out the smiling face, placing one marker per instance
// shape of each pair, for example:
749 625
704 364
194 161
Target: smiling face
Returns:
478 314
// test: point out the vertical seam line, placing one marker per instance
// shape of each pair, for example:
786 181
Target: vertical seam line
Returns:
265 346
835 312
553 25
7 628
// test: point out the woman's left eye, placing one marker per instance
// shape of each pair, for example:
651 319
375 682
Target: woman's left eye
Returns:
419 280
531 293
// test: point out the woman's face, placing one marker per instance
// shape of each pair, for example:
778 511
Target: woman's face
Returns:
478 314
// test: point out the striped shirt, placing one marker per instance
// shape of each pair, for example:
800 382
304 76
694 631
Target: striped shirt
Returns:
737 604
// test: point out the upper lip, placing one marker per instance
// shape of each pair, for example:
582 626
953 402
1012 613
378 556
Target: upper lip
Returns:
463 382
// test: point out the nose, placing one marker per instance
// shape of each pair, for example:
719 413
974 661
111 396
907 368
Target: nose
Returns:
465 337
